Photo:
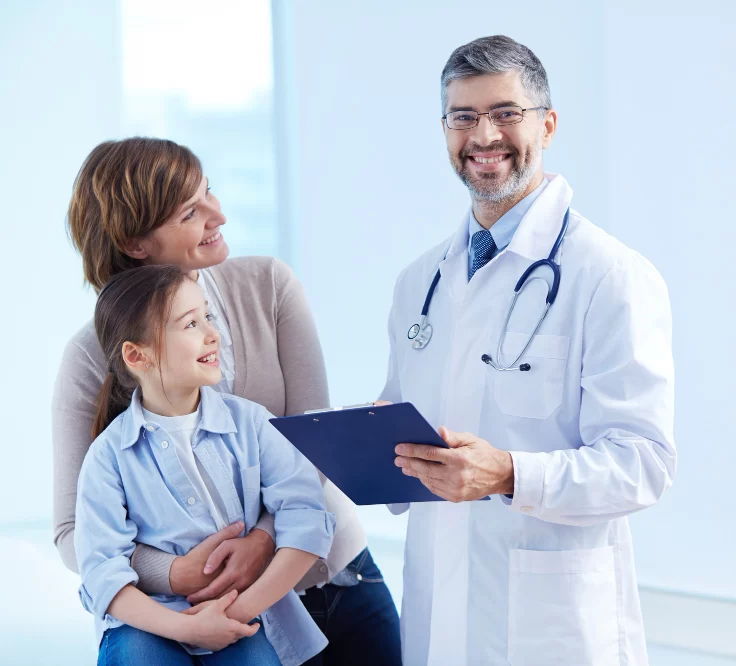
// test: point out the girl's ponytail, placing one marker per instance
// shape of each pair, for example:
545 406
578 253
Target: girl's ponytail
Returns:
114 399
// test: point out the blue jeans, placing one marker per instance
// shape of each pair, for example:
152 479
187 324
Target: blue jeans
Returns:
126 646
358 616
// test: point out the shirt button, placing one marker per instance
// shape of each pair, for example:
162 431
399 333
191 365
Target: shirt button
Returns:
164 445
191 501
323 569
360 577
527 509
150 428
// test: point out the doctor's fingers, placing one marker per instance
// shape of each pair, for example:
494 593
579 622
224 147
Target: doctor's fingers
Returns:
441 487
421 468
434 454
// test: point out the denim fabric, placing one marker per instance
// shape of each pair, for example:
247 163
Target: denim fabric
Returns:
126 646
358 617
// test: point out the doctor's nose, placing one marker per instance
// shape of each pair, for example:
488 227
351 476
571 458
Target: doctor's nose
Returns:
485 132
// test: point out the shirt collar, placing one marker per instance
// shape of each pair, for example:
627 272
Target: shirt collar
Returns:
504 228
216 417
537 230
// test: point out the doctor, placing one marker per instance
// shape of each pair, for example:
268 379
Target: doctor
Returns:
568 429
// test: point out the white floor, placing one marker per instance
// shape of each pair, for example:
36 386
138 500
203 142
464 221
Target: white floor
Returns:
42 621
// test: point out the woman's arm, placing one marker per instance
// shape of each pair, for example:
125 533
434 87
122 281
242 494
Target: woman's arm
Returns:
300 353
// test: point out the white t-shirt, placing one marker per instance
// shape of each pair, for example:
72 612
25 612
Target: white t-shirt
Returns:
181 430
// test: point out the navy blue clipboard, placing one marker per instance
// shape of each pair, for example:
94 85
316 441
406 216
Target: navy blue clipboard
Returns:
354 448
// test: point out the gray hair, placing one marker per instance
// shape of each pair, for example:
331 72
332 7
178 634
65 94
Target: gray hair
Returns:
495 55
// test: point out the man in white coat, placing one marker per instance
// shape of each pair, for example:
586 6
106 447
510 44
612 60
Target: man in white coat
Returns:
565 447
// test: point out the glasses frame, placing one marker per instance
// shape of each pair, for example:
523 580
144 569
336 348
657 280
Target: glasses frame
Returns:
490 117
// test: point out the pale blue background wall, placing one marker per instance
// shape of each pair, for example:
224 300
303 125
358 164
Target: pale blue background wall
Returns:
646 138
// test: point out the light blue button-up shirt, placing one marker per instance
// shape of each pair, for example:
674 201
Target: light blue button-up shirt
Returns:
505 227
133 489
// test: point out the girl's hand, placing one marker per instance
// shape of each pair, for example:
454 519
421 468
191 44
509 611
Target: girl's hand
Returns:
212 629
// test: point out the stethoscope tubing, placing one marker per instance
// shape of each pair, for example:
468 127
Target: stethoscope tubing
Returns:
421 334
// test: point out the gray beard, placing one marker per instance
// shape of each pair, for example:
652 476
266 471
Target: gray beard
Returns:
491 191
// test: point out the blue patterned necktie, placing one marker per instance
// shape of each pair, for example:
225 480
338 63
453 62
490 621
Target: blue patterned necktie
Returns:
482 247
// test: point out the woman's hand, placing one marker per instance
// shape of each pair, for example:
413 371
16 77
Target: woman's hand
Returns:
186 575
244 560
212 629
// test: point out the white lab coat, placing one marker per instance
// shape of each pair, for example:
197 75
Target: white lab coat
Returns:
548 577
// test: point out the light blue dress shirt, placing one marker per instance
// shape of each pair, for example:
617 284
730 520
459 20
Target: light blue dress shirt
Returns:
133 489
505 227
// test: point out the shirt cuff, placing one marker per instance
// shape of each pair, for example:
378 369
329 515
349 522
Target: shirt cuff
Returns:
265 523
309 530
152 566
103 583
528 483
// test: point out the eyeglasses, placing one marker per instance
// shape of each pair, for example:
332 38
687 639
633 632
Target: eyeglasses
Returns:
503 115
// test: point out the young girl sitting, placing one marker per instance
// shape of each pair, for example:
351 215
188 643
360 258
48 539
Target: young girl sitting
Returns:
173 462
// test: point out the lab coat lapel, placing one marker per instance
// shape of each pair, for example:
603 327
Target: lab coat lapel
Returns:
539 228
454 267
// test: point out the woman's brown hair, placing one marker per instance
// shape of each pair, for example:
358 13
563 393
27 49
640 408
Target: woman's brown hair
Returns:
125 190
133 306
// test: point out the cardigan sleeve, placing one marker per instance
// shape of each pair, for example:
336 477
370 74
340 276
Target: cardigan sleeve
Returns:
74 404
300 353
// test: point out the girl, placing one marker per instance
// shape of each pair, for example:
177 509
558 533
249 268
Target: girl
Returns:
173 462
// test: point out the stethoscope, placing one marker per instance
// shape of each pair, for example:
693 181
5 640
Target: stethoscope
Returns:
420 334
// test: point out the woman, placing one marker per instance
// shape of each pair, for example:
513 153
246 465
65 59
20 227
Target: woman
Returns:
145 201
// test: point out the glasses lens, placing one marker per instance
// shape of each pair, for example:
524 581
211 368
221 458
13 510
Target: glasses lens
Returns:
507 115
462 119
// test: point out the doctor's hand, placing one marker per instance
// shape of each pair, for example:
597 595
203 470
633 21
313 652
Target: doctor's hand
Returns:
471 469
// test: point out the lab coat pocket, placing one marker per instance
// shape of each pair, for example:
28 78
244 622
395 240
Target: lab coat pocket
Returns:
251 477
537 393
563 608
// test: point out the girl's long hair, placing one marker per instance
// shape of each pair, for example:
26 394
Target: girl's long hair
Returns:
133 306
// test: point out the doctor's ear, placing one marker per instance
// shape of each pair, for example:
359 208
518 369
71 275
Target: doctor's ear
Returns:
549 128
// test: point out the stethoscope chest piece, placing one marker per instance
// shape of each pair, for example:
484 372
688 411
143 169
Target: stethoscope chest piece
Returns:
420 335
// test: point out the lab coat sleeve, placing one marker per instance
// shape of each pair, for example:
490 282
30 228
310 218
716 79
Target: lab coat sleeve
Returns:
627 459
104 534
392 389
